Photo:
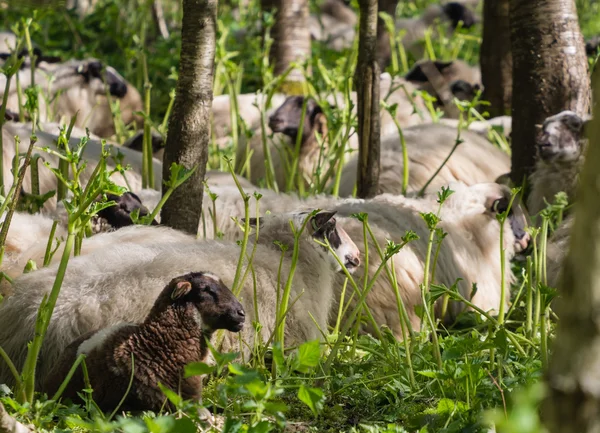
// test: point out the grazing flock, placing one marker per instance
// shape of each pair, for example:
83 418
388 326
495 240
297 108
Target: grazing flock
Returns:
158 295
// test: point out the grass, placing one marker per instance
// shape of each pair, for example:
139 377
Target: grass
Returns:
438 379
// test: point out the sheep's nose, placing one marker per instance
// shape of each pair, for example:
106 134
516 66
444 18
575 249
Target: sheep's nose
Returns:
118 89
241 313
275 123
352 261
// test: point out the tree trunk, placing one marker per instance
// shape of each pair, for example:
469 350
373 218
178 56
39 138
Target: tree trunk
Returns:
384 48
291 36
496 57
189 125
573 404
367 91
550 72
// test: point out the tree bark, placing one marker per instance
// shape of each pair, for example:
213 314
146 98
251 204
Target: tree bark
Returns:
383 37
496 57
189 125
573 404
367 90
550 72
291 36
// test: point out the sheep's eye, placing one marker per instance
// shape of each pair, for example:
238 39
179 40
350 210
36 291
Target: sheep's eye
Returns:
499 206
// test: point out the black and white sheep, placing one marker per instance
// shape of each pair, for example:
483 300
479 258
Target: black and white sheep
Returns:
48 182
285 123
174 333
78 87
28 234
119 281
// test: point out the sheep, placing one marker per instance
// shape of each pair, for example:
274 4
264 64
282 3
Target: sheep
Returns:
475 160
462 80
471 249
8 42
451 13
335 25
483 127
561 146
285 122
25 232
28 234
48 182
250 108
175 333
79 87
119 281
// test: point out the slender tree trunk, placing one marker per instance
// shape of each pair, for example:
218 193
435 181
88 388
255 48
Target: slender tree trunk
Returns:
496 57
291 36
550 72
383 37
189 125
573 405
367 90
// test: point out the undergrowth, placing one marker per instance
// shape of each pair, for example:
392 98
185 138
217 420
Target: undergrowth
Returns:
482 369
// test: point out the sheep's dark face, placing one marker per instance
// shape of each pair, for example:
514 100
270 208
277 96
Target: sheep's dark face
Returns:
516 217
94 73
286 119
137 142
119 215
216 305
463 90
457 12
560 138
323 227
591 46
416 74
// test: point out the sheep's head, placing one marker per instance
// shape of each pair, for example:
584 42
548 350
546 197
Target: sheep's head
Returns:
457 12
560 138
137 143
98 76
215 304
323 227
497 201
464 91
119 215
286 119
490 199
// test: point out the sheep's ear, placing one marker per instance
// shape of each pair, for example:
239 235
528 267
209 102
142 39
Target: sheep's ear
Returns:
254 221
181 289
320 219
442 65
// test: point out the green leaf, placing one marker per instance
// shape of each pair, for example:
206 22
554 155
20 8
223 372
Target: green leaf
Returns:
171 395
198 369
312 397
261 427
309 355
278 356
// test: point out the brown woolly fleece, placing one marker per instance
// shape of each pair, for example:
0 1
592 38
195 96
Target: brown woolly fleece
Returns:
174 334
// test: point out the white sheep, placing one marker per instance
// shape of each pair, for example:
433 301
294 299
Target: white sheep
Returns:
449 14
179 325
314 153
470 251
48 182
335 25
120 281
78 87
561 146
475 160
250 107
